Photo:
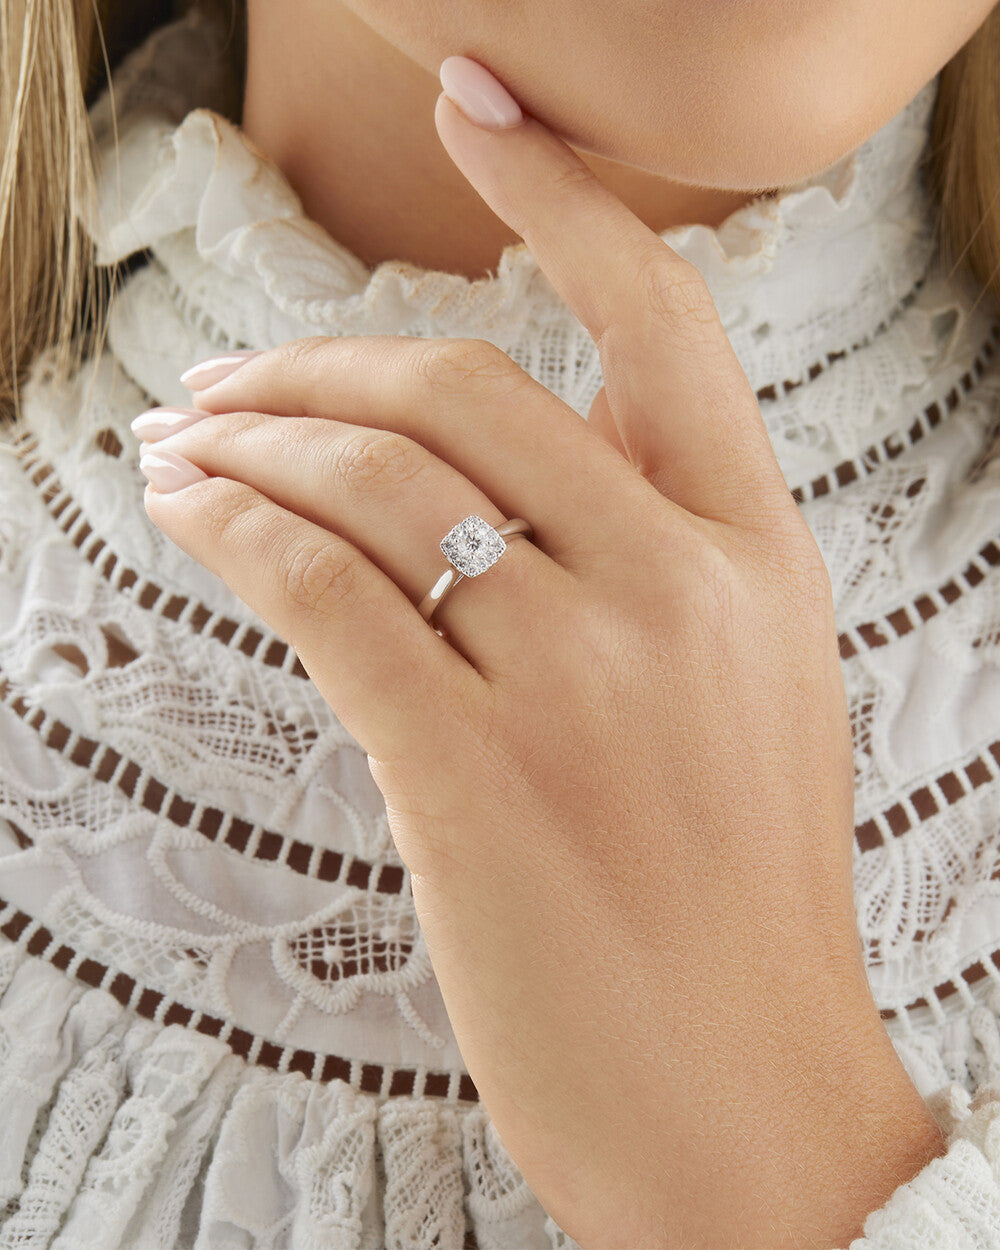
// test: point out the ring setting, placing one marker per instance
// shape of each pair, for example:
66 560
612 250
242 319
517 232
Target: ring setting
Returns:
471 547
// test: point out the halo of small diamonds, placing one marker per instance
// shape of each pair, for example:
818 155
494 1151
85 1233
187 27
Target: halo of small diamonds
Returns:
473 546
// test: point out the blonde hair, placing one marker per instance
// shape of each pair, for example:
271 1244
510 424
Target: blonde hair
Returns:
55 57
56 54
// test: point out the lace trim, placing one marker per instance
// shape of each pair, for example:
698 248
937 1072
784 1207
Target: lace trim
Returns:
204 324
809 374
873 634
110 767
164 178
257 644
987 965
383 1080
894 444
926 801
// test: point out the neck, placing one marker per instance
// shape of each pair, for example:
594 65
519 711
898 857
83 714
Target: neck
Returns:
348 119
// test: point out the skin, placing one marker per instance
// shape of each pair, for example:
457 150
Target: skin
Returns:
543 759
685 110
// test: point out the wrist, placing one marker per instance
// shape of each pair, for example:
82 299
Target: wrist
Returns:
848 1127
795 1152
863 1130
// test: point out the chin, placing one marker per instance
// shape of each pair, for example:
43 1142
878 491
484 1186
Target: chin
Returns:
748 142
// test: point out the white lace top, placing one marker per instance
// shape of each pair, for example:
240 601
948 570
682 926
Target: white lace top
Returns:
219 1027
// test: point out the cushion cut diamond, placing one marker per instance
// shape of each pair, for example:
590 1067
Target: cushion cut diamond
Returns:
473 545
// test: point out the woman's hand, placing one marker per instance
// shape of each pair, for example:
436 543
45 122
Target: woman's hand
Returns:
622 777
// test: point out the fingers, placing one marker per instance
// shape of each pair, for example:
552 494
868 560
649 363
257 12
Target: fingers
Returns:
393 501
385 673
470 405
686 413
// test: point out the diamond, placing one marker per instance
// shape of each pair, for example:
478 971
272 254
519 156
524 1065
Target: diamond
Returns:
473 545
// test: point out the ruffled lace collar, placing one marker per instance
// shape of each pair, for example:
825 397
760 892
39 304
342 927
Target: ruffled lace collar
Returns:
805 274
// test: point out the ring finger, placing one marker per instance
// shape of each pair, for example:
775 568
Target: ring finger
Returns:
466 401
393 500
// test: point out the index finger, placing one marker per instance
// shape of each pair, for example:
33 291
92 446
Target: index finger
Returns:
685 410
589 244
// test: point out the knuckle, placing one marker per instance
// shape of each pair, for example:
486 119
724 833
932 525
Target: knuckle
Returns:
675 291
708 604
717 590
734 591
379 458
304 357
227 512
463 365
571 176
321 576
229 432
234 519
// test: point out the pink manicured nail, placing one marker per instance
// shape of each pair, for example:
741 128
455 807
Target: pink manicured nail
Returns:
208 372
160 422
169 472
478 94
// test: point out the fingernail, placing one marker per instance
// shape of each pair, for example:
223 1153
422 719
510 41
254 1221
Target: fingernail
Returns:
169 472
478 94
160 422
208 372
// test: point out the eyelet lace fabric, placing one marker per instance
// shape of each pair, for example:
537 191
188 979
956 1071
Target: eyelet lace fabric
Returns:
219 1025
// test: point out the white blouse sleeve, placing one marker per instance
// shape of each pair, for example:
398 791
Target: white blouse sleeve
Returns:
954 1202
